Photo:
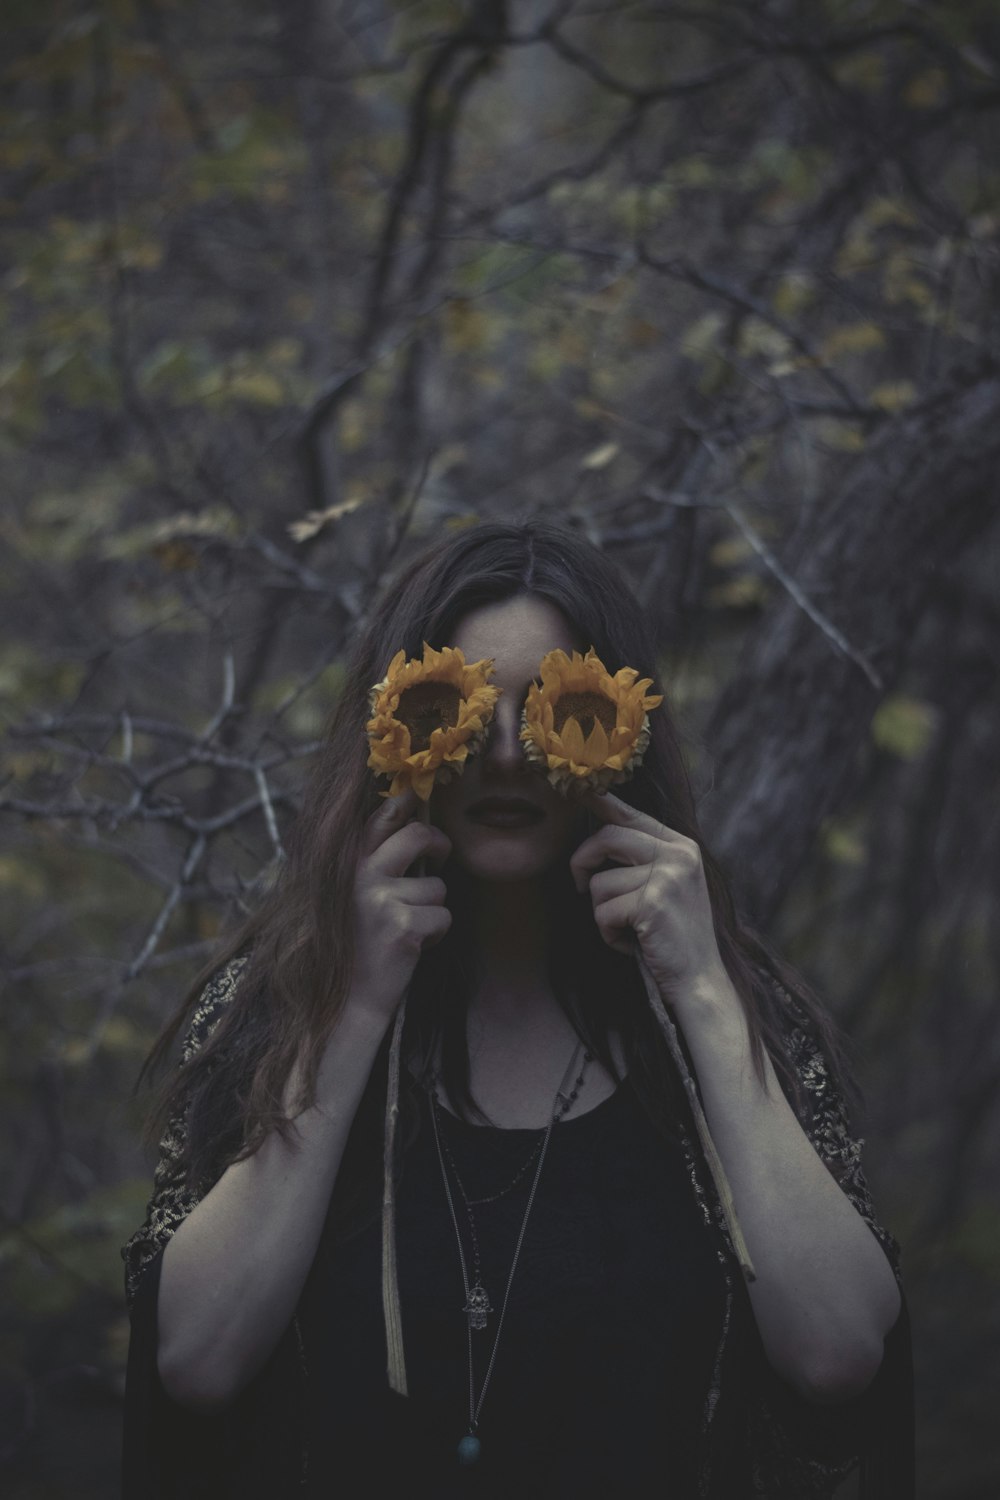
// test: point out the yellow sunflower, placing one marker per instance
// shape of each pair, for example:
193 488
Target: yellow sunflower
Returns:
428 716
583 726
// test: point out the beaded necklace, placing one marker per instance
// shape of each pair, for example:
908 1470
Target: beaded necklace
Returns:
477 1303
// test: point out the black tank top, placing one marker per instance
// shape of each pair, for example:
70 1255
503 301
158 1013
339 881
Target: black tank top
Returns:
611 1329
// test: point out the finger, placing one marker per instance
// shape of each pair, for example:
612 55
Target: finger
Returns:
388 817
431 924
629 846
612 810
612 918
406 844
420 890
623 880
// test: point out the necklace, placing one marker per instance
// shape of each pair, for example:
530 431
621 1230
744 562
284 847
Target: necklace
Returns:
477 1303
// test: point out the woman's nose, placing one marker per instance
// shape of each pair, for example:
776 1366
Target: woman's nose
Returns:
503 746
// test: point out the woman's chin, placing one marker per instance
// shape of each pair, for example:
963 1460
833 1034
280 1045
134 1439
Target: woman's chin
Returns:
504 865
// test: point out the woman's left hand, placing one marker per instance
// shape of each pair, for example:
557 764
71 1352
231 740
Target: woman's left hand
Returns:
656 897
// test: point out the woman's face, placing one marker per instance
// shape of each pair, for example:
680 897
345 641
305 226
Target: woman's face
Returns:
516 633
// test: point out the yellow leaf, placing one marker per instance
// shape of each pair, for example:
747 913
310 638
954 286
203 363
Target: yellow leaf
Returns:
574 348
852 338
643 334
74 1051
315 520
903 725
352 427
861 70
900 283
257 386
599 458
466 326
894 395
794 291
842 843
448 457
926 89
175 555
729 550
21 876
699 338
716 374
758 337
284 351
144 255
884 209
739 593
693 171
545 362
779 367
120 1035
846 437
858 252
149 536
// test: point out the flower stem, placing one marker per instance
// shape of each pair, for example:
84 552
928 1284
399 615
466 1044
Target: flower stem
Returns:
395 1357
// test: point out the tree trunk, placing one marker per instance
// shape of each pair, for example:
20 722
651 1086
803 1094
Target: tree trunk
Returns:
786 733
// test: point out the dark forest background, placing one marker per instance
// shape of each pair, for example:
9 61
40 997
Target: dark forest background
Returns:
288 287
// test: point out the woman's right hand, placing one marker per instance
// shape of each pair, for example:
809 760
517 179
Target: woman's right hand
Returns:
395 915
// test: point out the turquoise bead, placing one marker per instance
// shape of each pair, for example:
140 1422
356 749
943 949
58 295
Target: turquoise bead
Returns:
468 1449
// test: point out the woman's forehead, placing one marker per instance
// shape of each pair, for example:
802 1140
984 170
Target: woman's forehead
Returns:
516 633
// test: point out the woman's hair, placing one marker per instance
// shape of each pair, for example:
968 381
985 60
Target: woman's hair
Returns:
300 939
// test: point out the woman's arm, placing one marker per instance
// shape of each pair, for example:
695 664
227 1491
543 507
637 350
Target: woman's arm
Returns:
825 1294
234 1263
233 1270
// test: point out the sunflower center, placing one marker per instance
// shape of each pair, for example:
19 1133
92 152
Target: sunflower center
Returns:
584 708
427 706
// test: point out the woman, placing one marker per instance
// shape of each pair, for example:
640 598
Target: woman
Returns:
575 1320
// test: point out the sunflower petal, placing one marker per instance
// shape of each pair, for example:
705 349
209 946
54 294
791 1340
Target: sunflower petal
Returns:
414 750
595 751
584 726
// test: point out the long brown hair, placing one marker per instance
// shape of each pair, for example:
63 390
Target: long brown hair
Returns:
299 940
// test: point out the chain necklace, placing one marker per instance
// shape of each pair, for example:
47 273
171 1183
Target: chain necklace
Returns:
477 1304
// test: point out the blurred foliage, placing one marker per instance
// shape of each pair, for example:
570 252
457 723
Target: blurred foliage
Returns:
285 290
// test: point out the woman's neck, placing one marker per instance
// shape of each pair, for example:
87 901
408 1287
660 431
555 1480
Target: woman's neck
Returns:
520 1038
511 992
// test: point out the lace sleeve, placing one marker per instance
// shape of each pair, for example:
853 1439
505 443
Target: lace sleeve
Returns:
825 1119
801 1449
173 1197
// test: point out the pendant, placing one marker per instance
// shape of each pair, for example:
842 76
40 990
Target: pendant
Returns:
477 1306
469 1449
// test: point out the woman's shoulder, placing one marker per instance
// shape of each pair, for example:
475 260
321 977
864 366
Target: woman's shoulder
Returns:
174 1195
804 1040
211 1005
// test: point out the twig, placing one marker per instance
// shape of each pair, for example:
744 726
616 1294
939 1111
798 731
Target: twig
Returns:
188 868
228 689
805 604
145 953
267 805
